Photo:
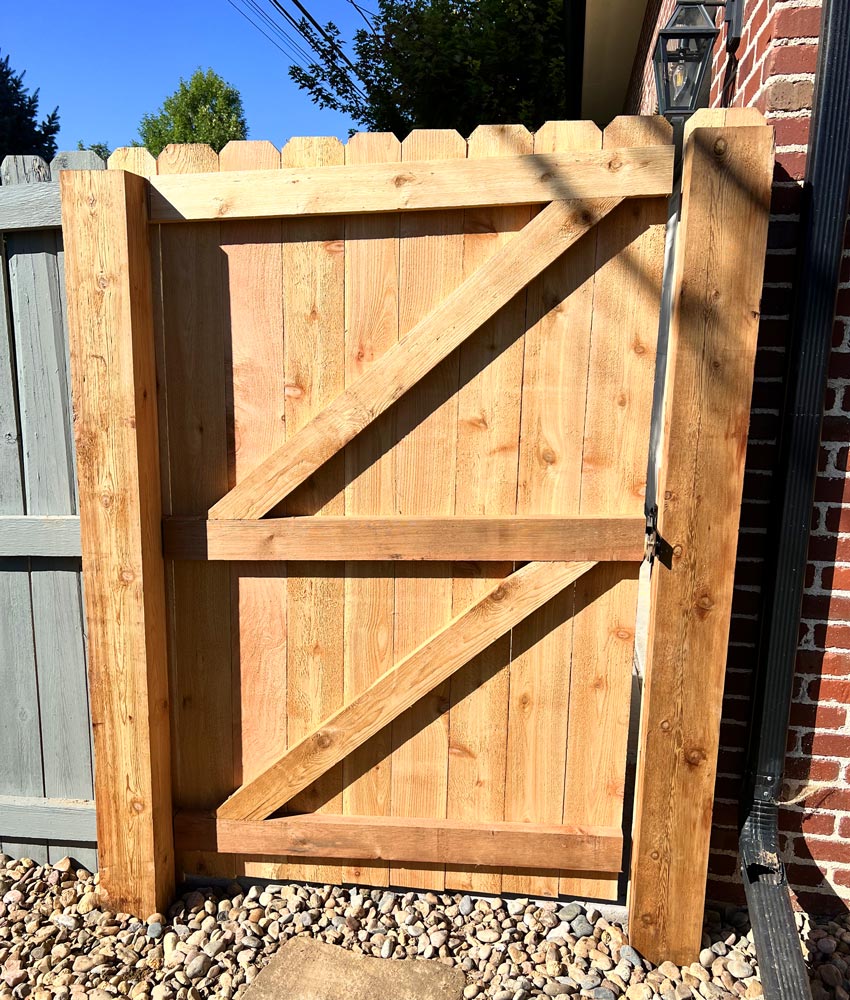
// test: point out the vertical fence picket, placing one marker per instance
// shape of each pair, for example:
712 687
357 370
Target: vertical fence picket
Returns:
555 375
253 276
626 298
314 359
487 460
371 327
195 350
430 267
20 742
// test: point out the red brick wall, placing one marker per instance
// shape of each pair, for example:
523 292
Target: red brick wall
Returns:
773 70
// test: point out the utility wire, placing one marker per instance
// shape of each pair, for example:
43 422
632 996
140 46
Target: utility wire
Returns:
351 73
258 28
367 16
294 46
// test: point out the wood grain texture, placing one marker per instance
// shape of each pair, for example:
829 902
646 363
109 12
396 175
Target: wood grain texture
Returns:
253 274
510 179
371 328
314 343
484 292
192 326
407 839
624 331
430 269
360 538
554 396
503 604
109 316
714 325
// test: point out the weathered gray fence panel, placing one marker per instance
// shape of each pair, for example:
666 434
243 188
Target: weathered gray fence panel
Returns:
52 680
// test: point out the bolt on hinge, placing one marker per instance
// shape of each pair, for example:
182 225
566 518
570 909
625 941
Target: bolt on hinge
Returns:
651 532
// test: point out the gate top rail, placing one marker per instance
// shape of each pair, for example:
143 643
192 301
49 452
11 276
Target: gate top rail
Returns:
533 178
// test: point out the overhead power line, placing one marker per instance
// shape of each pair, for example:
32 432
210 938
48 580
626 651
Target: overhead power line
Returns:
284 46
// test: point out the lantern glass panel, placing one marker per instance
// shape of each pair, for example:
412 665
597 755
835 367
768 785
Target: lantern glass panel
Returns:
691 16
683 58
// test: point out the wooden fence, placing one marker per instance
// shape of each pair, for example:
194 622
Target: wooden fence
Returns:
46 808
330 403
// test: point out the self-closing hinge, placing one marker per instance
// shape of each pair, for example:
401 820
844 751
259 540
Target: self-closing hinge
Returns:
651 532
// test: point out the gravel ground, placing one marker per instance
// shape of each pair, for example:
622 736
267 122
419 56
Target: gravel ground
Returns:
57 941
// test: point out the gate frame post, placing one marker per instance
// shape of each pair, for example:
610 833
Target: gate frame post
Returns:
110 319
717 280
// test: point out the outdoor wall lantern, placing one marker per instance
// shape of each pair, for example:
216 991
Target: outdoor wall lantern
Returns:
682 56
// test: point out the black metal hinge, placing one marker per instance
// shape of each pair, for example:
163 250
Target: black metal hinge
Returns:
651 532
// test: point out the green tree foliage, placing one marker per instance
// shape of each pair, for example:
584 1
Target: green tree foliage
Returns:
443 64
204 109
102 150
20 131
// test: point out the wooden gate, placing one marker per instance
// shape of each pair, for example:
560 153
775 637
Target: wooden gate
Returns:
391 404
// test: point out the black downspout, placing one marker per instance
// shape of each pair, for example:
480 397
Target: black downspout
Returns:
822 224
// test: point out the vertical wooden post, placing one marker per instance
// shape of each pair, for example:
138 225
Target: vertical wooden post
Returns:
717 285
107 262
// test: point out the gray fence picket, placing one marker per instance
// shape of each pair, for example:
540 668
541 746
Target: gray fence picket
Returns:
20 739
37 302
75 159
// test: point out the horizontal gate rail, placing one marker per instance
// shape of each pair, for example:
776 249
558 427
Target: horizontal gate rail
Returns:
392 187
431 663
432 340
517 845
353 538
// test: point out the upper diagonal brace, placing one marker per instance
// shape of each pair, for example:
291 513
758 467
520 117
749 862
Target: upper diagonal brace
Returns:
430 664
459 315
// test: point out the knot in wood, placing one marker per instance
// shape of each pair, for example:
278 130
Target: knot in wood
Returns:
695 756
548 456
323 739
665 726
615 164
500 593
720 147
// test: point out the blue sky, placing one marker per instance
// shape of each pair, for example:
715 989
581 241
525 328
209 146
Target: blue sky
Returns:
107 64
